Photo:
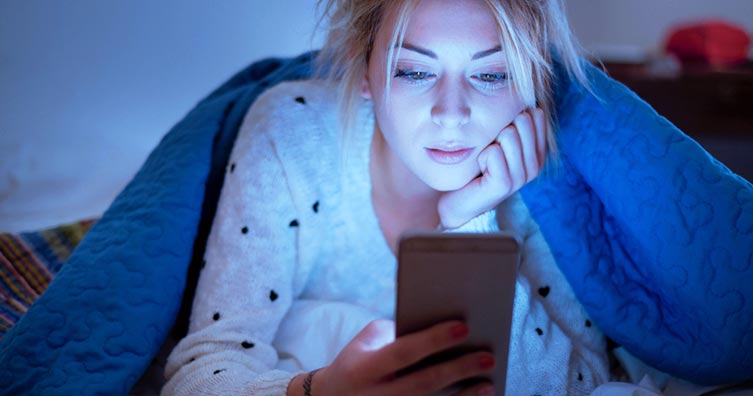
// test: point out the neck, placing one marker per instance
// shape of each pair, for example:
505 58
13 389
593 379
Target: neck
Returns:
402 200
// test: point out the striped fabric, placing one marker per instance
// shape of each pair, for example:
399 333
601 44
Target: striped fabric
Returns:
28 262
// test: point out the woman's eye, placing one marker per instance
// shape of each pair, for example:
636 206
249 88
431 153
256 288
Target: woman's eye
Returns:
491 77
413 76
491 81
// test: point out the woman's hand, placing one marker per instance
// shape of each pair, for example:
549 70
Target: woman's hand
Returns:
369 363
512 160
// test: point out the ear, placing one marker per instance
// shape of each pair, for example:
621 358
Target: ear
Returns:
365 87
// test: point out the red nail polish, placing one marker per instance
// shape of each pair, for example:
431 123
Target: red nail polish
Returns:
486 362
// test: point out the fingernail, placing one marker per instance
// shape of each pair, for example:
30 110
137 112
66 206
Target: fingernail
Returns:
459 331
486 391
486 362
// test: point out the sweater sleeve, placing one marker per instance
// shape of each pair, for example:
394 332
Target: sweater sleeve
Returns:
484 223
247 284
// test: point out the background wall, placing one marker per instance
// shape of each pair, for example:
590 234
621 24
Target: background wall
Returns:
627 29
88 87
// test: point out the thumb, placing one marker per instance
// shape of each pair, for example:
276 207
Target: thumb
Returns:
376 335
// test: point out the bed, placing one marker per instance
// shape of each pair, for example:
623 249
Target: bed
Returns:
664 269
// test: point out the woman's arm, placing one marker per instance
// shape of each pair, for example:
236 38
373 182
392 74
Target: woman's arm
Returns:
246 286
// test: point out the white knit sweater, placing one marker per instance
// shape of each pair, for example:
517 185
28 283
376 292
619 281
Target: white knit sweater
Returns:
292 225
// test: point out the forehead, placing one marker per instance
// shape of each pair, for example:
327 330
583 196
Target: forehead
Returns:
468 24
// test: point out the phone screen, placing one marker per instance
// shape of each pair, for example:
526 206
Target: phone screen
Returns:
470 277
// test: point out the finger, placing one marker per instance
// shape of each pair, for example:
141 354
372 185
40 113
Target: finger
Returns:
412 348
511 148
526 127
480 389
480 194
495 178
442 375
542 134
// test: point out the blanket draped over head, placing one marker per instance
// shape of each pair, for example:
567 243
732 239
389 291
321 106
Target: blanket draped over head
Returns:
654 235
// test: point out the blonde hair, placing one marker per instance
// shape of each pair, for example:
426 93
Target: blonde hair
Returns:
530 32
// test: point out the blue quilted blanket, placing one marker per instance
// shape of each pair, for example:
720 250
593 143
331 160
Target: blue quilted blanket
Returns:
655 236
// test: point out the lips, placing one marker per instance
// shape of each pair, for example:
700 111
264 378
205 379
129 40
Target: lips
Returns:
448 156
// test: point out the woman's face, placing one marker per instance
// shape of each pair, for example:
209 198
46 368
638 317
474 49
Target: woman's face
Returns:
449 96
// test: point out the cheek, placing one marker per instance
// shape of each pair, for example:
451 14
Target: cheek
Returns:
497 114
391 120
403 113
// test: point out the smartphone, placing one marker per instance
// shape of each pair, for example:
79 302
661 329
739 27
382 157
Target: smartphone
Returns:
469 277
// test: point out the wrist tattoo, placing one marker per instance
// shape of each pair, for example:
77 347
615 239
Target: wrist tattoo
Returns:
307 383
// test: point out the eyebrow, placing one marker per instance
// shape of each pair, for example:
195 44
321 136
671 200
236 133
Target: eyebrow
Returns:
486 53
430 54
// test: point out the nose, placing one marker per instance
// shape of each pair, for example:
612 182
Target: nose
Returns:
451 109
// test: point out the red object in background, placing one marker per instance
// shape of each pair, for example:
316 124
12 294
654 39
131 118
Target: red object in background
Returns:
713 42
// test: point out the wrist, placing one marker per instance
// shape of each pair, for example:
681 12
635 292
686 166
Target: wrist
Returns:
306 384
449 217
295 387
449 224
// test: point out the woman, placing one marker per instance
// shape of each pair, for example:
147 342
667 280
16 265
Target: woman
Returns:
434 114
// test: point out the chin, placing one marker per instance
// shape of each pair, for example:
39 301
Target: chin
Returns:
447 182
